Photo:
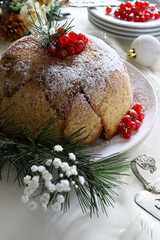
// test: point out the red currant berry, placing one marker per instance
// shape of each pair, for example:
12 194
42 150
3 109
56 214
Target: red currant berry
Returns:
136 18
61 54
131 125
108 10
129 18
128 11
126 119
142 5
136 13
126 134
122 127
122 6
121 10
138 124
54 37
85 40
128 4
137 107
142 18
151 15
137 4
134 9
60 45
64 39
61 30
147 16
71 50
140 117
81 36
146 4
132 113
70 43
79 45
140 11
123 15
152 8
72 36
157 15
116 13
52 51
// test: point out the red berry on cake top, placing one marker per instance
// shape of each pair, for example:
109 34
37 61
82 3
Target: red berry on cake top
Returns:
66 44
52 51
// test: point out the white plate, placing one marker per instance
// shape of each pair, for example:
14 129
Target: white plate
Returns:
124 33
143 93
101 26
99 12
124 28
119 34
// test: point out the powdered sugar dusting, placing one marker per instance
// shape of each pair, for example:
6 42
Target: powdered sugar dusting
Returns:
21 44
22 66
88 72
144 94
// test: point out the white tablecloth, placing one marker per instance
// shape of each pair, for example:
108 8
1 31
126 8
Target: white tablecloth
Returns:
18 223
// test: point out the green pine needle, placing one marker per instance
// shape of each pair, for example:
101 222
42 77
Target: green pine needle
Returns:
55 14
102 175
52 18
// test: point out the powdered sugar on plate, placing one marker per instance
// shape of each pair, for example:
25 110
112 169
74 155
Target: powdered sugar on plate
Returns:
144 94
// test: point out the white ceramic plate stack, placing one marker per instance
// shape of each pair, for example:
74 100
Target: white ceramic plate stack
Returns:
121 28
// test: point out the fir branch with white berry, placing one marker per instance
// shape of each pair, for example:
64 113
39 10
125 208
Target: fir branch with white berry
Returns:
58 40
48 29
50 168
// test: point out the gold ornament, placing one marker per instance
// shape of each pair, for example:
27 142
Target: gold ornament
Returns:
145 50
131 53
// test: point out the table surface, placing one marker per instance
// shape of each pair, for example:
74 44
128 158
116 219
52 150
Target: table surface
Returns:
17 222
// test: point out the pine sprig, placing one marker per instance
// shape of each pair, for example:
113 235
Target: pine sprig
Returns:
100 177
42 29
55 14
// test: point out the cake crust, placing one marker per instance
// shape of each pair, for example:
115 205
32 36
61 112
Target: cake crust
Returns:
90 90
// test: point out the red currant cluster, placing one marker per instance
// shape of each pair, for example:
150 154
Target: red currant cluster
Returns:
138 12
131 121
67 44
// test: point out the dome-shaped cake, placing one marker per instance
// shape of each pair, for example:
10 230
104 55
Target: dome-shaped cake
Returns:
91 89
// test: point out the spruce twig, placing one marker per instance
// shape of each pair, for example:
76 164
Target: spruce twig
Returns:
102 175
45 39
